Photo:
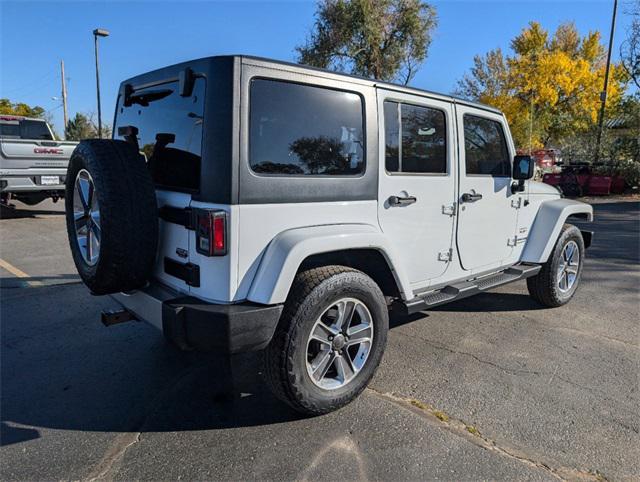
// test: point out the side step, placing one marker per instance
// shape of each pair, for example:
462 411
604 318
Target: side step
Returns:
472 287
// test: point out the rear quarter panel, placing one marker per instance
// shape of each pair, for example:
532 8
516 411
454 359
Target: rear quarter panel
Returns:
259 224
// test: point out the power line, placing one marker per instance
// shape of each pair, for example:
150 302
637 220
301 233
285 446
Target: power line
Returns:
30 86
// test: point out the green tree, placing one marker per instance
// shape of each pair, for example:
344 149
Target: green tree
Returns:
79 128
82 126
380 39
19 108
549 86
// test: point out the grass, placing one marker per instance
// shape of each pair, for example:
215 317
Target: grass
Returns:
440 415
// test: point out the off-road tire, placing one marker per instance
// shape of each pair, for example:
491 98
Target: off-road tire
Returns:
284 359
128 215
544 286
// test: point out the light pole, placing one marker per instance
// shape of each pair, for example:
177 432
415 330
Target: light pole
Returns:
99 32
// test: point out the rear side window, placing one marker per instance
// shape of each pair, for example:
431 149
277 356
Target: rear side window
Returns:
169 132
10 130
415 139
304 130
485 147
34 130
26 129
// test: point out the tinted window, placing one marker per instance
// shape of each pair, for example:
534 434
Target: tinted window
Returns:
169 132
26 129
298 129
392 136
421 132
10 130
34 130
485 147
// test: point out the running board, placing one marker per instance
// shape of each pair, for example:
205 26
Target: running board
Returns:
472 287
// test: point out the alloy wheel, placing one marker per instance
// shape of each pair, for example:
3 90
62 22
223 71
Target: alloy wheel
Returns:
568 266
86 216
339 344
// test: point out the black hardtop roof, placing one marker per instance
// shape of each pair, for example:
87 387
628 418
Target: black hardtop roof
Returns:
166 72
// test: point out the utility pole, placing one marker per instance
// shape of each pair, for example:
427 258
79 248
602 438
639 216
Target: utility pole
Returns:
603 94
64 98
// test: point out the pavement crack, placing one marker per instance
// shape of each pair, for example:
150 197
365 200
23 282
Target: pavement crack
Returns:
441 346
116 452
472 434
114 455
595 392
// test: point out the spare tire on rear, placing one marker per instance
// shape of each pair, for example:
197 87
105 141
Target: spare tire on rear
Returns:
112 216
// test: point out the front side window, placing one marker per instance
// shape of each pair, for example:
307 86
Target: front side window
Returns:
485 147
297 129
169 132
415 139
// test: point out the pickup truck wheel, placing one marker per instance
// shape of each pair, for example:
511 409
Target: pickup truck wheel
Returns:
111 214
558 280
329 341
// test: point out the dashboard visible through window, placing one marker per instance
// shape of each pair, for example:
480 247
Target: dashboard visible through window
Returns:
415 139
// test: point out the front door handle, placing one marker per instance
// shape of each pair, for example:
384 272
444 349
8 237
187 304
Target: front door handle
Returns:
471 197
402 201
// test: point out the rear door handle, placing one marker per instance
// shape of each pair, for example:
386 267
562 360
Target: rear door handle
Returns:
471 197
402 201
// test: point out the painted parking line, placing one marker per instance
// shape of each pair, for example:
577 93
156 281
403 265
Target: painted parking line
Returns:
18 273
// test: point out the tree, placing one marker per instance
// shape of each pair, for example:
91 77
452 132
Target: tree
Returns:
79 128
630 48
18 108
82 126
549 88
380 39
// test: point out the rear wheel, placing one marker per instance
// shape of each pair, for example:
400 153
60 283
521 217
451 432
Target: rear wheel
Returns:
558 280
329 341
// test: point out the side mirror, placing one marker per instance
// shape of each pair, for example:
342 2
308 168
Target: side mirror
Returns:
522 170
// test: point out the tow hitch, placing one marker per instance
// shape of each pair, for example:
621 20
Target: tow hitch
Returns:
113 317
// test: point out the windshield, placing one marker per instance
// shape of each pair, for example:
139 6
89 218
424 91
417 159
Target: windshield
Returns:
26 129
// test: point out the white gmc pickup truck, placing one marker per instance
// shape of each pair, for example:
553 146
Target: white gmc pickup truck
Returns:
33 165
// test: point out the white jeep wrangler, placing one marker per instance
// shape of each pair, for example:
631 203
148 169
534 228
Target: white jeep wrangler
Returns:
247 204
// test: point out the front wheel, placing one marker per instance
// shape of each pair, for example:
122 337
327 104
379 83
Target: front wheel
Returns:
558 280
329 341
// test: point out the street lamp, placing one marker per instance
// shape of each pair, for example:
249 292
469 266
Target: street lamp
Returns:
99 32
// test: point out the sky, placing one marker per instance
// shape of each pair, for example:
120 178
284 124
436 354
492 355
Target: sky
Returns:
145 35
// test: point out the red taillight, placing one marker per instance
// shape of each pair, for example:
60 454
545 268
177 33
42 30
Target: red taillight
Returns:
219 232
211 232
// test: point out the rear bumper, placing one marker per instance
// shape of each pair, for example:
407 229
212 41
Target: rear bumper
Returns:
192 324
30 180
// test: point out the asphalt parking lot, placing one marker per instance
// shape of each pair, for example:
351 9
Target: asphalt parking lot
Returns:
492 387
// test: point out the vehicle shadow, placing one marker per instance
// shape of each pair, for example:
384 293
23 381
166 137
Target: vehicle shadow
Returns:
17 213
208 392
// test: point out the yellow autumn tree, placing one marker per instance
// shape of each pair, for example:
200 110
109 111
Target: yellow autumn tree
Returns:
548 87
